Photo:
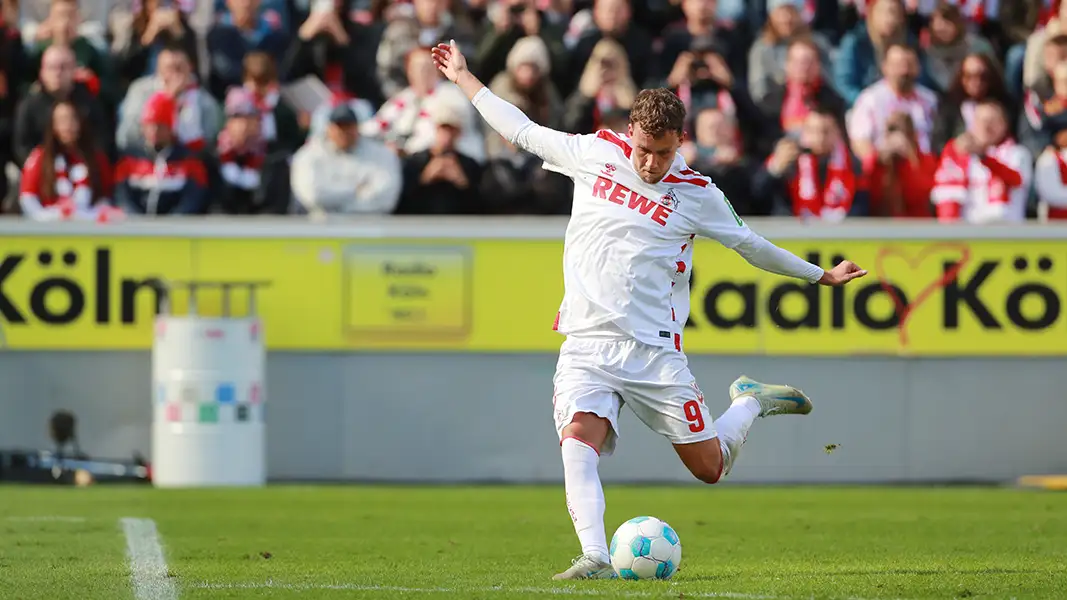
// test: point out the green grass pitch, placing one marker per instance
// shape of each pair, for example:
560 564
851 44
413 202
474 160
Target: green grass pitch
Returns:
499 543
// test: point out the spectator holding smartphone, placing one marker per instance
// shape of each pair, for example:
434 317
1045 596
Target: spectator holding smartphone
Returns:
816 176
900 175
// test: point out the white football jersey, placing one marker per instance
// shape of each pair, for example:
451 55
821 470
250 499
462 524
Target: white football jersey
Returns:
628 251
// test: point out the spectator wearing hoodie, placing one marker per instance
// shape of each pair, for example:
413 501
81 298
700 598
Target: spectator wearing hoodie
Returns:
162 177
199 115
343 172
56 82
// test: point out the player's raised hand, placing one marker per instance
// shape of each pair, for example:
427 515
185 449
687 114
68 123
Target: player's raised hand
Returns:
449 60
843 273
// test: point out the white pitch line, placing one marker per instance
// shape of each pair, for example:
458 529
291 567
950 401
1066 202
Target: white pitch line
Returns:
148 568
47 519
560 591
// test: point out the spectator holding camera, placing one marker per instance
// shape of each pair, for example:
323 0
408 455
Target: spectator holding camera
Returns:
511 21
900 176
716 152
614 19
156 25
702 79
700 28
332 47
898 91
815 176
606 86
984 176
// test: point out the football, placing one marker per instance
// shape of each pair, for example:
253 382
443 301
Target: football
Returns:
645 548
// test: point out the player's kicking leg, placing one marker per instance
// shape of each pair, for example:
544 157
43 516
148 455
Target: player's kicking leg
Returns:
581 442
710 460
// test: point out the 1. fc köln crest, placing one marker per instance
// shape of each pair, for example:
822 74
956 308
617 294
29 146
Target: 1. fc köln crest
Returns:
669 200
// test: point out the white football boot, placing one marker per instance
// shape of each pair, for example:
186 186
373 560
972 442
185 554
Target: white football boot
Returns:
588 567
773 399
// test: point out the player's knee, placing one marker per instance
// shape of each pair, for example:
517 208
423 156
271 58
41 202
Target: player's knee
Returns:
708 476
588 428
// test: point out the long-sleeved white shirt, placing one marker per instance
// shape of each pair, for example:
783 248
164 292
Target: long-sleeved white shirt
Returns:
628 250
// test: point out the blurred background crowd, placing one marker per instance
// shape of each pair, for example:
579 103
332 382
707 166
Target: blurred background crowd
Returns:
822 109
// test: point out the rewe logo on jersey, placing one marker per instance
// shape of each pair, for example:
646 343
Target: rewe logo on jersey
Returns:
607 189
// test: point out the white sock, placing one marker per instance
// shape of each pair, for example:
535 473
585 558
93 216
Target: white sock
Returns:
732 428
585 495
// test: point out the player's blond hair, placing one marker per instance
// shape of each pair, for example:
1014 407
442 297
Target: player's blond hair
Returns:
658 111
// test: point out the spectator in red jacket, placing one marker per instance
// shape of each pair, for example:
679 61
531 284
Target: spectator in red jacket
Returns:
900 175
66 177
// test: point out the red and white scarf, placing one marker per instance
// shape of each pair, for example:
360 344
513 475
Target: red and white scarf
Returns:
953 178
723 100
189 126
265 104
796 105
831 198
71 196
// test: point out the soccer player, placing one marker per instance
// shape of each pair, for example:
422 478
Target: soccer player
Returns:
626 264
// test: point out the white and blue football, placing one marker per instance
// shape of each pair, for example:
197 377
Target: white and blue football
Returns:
645 548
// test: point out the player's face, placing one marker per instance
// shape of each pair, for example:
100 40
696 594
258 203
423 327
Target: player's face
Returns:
652 157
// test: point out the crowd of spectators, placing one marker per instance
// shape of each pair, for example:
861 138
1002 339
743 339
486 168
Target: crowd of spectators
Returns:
821 109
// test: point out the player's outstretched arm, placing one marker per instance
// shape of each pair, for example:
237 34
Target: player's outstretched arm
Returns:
719 221
553 146
761 253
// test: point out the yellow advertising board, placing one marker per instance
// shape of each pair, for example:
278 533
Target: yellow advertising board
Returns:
922 298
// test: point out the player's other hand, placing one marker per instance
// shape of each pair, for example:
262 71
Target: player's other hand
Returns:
449 60
843 273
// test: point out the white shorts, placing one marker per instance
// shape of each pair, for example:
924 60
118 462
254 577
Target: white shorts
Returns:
600 375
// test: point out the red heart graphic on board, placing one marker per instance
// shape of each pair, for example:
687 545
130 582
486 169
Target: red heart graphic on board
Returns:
903 311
